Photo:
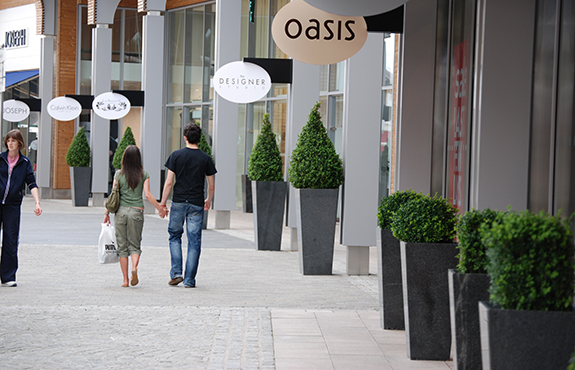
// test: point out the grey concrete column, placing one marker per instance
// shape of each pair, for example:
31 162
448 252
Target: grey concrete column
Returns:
416 89
152 84
228 40
46 93
303 94
500 169
361 152
100 127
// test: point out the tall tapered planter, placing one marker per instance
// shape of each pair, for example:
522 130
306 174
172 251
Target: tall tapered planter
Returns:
465 292
526 339
426 298
390 287
247 203
81 183
316 212
268 199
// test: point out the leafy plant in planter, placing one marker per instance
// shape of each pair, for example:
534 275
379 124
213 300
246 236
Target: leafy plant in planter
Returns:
426 228
203 144
468 285
531 263
425 220
78 158
78 154
314 163
268 189
127 140
316 171
389 262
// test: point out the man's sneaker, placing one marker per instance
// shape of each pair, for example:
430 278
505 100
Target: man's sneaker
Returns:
10 284
190 286
176 280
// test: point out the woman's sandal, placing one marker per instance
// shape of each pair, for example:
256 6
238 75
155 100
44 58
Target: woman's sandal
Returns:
135 280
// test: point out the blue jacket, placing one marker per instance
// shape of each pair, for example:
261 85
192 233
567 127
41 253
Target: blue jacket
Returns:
12 187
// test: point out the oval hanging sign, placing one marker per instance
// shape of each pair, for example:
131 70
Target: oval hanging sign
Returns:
111 105
15 110
64 108
242 82
314 36
356 7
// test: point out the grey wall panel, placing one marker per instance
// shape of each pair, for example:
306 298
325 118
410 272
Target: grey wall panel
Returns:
415 125
362 143
152 84
503 101
228 40
44 158
304 93
100 127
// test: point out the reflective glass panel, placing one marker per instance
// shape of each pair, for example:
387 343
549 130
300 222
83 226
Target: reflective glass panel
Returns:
175 66
132 50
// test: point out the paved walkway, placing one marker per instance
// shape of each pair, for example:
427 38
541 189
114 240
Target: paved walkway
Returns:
251 309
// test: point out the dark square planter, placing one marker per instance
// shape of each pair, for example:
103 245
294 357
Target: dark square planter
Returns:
426 298
269 199
465 292
246 194
316 211
390 288
80 183
526 340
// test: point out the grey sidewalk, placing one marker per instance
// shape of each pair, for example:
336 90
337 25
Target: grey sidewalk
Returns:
251 309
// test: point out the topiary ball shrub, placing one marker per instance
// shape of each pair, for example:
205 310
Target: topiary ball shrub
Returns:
314 163
425 220
265 162
78 154
472 254
531 261
204 146
127 140
390 204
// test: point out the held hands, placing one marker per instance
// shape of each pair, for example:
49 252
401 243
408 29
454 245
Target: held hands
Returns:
163 211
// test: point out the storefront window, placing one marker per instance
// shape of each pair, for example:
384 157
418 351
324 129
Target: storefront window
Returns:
387 108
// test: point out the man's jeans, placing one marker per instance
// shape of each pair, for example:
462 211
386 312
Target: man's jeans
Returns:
194 217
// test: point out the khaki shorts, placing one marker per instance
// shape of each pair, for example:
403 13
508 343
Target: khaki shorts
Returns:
129 223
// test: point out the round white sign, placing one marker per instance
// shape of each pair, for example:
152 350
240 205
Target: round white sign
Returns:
357 7
314 36
15 110
111 105
242 82
64 108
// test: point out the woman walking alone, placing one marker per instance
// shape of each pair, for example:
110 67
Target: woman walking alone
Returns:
129 219
15 172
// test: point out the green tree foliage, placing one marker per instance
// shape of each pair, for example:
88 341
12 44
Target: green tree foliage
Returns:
203 144
265 161
314 162
425 220
472 252
530 261
572 363
127 140
390 204
78 154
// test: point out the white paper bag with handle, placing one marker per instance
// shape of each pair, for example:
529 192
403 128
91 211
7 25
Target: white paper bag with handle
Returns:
107 250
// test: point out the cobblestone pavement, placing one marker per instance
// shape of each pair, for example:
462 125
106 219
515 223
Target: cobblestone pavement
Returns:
69 312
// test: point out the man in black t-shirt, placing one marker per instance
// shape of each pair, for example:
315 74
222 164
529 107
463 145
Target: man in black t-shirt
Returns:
188 167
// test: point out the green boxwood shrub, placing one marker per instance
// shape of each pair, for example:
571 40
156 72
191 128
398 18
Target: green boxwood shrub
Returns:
203 144
390 204
314 163
425 220
530 261
572 363
78 154
472 253
127 140
265 161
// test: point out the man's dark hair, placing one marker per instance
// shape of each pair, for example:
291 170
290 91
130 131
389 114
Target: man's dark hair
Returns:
193 133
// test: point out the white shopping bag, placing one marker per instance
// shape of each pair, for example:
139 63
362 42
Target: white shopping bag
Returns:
107 251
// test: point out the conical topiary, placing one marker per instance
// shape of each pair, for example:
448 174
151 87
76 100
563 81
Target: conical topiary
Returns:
314 162
265 161
203 144
78 154
127 140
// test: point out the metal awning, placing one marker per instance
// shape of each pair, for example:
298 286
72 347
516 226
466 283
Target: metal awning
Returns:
13 78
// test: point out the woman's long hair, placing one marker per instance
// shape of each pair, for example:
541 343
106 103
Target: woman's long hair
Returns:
132 166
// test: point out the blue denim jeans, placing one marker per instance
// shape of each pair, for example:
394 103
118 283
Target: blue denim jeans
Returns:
193 216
